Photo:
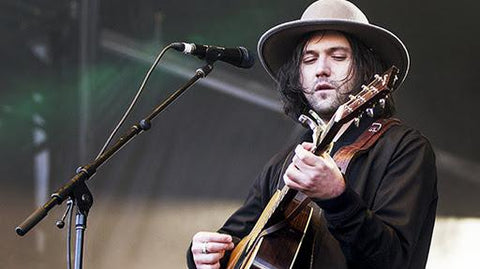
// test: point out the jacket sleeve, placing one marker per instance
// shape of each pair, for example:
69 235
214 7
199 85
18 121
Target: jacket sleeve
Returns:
394 229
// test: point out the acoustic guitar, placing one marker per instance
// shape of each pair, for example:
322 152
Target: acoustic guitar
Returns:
276 238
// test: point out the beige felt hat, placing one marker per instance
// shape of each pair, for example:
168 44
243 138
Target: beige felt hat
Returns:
277 44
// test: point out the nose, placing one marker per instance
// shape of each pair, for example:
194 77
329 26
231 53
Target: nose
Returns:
322 67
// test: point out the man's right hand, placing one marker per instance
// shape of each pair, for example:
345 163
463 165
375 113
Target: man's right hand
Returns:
208 248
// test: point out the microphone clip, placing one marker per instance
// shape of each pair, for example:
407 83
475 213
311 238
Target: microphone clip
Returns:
213 54
210 54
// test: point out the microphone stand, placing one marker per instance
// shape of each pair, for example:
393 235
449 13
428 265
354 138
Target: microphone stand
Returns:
76 187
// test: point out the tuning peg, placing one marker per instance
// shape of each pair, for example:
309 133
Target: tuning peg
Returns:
365 88
352 97
377 77
382 103
385 79
356 121
370 112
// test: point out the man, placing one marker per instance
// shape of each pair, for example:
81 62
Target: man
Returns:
380 212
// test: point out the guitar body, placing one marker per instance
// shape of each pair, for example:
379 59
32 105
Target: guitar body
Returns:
278 245
280 249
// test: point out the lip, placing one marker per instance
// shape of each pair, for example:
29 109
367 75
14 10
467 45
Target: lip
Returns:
323 86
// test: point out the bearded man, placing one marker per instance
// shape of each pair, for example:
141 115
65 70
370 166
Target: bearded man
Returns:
377 212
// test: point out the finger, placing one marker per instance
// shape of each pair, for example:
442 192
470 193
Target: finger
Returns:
203 247
295 174
210 258
306 156
301 165
292 184
212 237
208 266
211 247
320 170
295 178
307 145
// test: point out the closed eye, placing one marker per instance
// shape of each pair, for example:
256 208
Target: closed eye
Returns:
339 57
308 60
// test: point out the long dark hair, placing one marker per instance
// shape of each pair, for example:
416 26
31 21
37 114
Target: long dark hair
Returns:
365 64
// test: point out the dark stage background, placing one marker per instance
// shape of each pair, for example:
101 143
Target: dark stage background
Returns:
69 69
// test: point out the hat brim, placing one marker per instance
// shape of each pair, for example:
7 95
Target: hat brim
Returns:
276 46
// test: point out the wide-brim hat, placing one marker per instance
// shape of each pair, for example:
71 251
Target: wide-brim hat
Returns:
276 46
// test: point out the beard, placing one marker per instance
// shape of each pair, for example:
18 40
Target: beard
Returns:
326 101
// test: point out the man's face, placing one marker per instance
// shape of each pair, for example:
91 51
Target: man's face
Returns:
325 72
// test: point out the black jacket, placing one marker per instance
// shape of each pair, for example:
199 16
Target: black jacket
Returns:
385 217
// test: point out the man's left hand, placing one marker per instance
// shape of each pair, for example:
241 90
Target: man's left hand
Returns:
316 176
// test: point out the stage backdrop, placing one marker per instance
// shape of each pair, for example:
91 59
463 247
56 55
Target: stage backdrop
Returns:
69 69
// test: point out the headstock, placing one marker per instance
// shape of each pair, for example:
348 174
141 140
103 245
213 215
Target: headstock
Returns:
365 100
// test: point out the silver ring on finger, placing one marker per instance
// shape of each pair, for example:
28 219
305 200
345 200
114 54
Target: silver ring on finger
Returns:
204 248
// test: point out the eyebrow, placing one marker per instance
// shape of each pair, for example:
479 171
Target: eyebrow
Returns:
329 50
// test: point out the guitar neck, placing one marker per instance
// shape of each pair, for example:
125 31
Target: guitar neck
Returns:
283 195
327 137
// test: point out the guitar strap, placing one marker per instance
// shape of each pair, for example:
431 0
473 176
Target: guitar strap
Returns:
345 154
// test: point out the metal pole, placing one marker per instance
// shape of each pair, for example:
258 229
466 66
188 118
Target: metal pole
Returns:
80 226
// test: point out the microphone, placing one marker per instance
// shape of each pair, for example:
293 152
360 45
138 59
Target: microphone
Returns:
239 56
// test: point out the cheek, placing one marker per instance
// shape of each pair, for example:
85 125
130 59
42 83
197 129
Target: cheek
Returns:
305 77
344 70
301 76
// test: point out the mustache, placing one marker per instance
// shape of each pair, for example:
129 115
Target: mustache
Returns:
323 81
331 82
342 87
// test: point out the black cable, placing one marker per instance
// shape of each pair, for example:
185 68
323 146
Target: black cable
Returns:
134 101
69 233
112 134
